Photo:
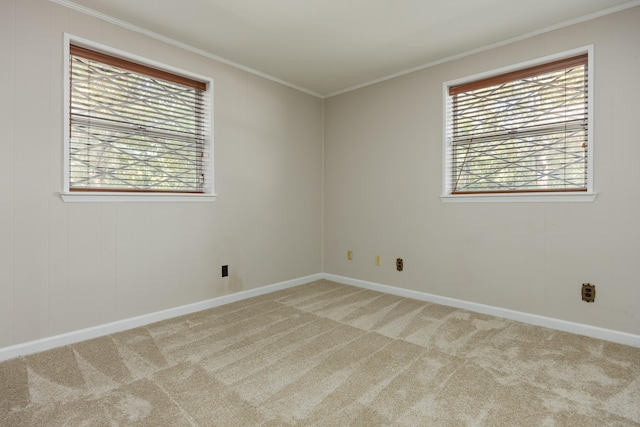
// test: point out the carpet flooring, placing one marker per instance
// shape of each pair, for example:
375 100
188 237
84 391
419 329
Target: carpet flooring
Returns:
327 354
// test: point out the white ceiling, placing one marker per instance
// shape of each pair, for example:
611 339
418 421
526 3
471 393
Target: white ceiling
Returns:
329 46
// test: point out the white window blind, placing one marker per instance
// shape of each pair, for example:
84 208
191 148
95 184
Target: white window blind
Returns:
524 131
134 128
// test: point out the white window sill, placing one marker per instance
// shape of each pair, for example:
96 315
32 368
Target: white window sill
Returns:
519 198
78 196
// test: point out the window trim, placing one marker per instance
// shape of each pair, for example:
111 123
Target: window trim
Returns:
106 196
556 196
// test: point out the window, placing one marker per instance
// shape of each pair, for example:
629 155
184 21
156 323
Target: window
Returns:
521 132
135 129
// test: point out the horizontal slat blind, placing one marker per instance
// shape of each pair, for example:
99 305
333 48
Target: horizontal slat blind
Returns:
525 131
133 128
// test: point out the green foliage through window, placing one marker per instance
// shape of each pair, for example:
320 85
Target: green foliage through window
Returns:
525 131
133 128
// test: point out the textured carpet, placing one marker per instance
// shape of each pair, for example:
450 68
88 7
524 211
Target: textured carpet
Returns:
327 354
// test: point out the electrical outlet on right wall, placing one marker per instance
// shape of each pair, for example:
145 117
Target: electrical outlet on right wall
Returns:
588 292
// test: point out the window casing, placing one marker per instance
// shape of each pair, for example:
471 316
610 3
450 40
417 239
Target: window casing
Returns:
522 133
136 130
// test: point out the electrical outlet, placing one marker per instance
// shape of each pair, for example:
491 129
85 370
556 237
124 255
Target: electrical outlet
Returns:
399 264
588 292
225 270
350 255
378 261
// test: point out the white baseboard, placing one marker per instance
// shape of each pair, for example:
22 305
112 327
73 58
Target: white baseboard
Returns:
534 319
43 344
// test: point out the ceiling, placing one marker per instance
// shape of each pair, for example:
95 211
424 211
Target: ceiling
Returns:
326 47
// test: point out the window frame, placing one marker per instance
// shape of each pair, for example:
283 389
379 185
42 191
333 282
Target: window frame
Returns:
134 196
554 196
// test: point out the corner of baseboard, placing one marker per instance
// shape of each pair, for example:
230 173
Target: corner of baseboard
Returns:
72 337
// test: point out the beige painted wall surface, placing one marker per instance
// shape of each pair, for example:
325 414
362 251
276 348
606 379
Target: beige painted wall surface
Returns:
383 179
65 267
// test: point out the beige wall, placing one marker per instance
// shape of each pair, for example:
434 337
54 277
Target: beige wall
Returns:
65 267
383 167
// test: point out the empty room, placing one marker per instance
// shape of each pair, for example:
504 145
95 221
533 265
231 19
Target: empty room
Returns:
331 213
